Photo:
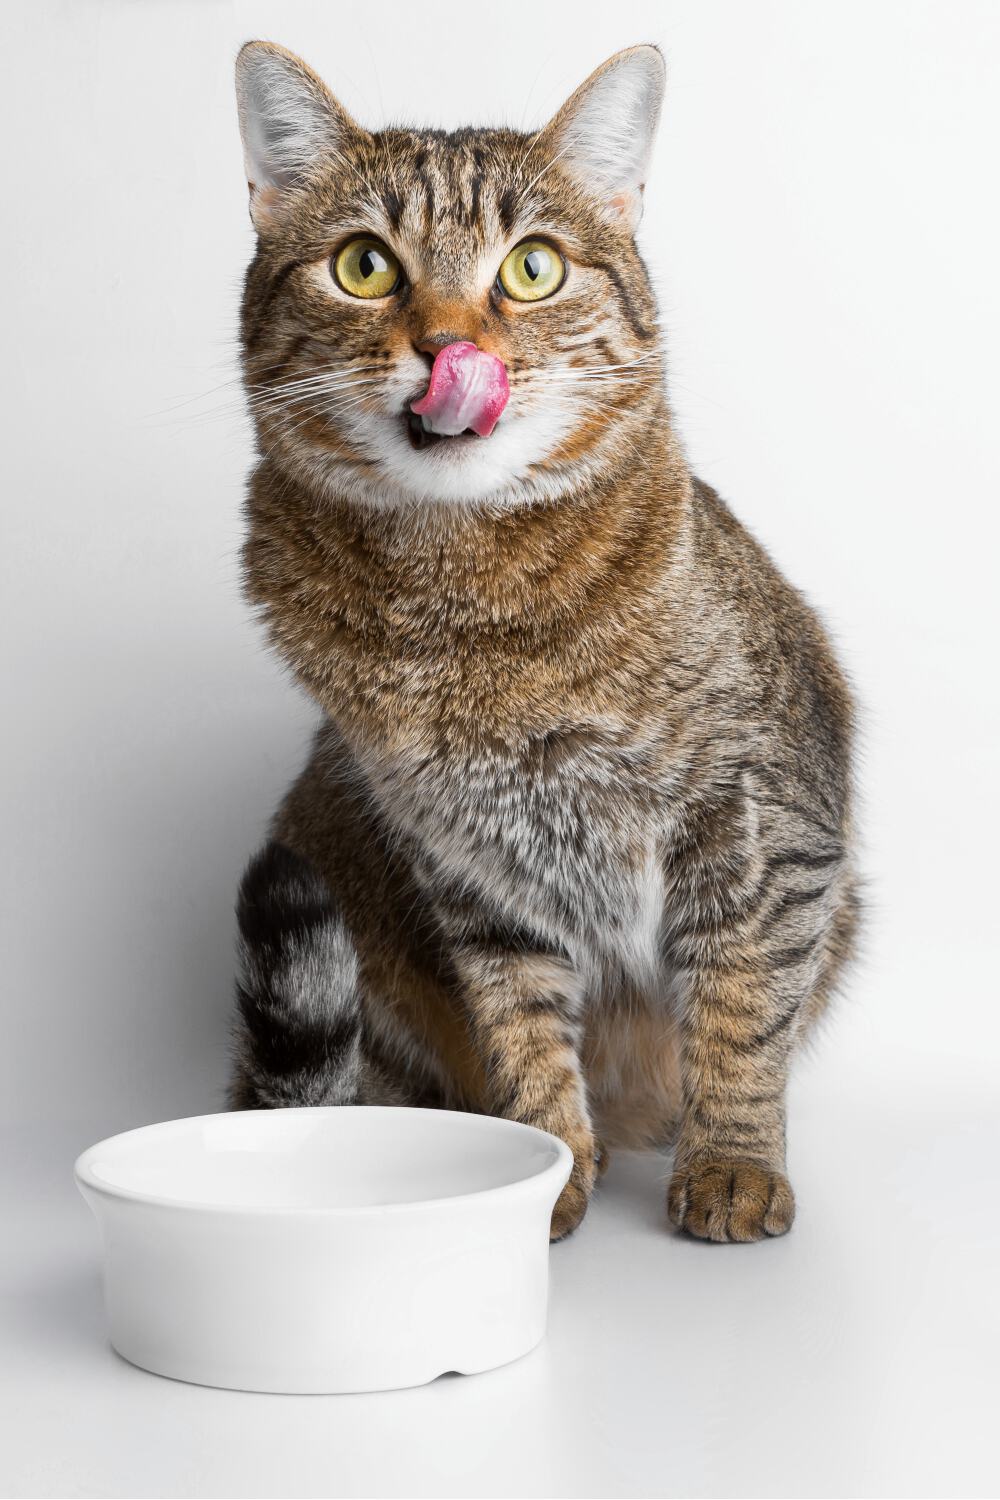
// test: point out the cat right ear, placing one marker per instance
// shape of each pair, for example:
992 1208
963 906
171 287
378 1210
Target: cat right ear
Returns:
289 121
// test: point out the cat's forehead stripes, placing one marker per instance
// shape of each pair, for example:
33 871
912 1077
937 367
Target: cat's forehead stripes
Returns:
430 183
453 182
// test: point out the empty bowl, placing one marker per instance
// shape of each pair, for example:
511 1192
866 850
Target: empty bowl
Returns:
325 1250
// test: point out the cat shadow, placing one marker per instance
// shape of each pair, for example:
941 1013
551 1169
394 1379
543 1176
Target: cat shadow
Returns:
201 805
633 1191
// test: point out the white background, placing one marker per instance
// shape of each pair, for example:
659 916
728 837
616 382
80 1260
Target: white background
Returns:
822 224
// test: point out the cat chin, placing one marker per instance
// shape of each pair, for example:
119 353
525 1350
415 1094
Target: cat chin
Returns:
495 470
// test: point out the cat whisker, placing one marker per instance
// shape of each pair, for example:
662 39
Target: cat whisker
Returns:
264 404
234 380
649 357
583 377
332 382
254 400
571 141
282 395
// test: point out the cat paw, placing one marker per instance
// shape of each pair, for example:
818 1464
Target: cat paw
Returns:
569 1210
719 1199
572 1202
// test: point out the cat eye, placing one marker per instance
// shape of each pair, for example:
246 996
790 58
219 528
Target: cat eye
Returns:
366 268
531 271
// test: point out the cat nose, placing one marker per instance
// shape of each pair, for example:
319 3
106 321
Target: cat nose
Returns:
431 345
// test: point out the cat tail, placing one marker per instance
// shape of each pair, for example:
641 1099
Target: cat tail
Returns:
298 1028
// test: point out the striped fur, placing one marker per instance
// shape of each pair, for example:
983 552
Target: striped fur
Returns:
574 840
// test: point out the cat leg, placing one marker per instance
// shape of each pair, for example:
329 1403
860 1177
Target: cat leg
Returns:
737 1031
524 1010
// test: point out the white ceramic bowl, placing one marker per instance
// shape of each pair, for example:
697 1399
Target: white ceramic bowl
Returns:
343 1249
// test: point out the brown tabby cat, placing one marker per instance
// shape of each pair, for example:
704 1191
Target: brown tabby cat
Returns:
574 841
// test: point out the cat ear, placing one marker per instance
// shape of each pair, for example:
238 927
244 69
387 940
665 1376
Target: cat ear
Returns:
288 120
603 134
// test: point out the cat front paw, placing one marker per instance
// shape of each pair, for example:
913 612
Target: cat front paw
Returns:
721 1199
588 1160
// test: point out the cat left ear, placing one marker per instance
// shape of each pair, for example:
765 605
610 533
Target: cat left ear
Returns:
288 120
603 135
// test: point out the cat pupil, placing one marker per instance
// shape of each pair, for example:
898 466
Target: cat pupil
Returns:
371 262
535 263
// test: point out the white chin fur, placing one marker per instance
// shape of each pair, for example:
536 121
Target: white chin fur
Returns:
471 469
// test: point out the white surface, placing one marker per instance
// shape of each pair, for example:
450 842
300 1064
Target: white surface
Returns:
319 1250
854 1357
823 228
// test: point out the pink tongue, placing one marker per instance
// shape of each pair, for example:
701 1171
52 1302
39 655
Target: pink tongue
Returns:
468 389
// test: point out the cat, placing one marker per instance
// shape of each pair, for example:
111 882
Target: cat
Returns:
574 841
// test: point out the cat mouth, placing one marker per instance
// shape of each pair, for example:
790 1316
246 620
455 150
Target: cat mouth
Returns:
421 437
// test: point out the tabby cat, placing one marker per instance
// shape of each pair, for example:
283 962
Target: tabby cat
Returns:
573 844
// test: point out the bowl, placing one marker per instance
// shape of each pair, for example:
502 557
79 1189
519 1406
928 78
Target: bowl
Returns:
325 1250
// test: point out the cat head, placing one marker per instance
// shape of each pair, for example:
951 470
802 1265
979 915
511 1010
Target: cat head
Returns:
377 250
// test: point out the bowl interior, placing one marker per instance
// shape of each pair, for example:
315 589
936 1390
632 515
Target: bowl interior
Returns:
338 1158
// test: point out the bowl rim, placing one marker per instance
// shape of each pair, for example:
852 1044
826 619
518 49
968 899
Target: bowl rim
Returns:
560 1166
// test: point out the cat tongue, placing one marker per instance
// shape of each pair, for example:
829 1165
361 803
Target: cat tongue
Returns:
468 388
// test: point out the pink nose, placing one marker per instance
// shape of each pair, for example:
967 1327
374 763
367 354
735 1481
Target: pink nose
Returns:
468 388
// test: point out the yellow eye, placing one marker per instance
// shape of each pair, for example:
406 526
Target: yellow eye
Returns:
532 270
366 268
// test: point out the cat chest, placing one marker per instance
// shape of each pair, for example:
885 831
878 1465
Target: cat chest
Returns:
560 827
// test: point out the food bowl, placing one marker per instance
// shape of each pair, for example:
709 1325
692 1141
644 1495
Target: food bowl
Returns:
325 1250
